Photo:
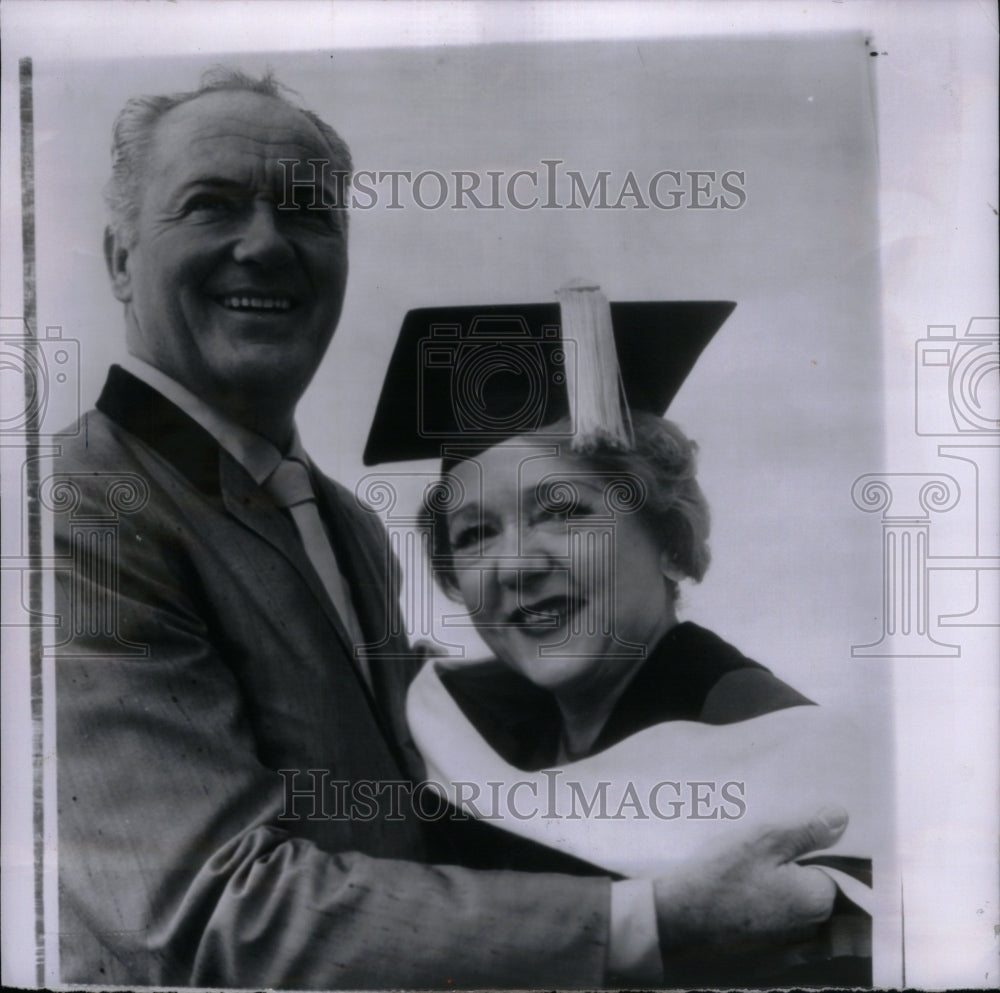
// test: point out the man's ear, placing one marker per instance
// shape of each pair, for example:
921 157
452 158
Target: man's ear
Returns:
116 259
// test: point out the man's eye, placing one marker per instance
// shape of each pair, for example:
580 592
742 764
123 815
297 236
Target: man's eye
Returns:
209 203
307 198
307 210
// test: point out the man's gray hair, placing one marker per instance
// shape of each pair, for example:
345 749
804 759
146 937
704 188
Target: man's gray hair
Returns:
132 138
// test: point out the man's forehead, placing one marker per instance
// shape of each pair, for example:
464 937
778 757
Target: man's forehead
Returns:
234 128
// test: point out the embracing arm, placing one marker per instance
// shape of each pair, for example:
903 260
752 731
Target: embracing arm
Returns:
174 860
175 865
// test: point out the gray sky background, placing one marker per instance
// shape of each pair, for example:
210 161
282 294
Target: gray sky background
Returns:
785 403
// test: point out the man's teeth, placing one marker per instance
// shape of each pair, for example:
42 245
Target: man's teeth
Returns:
256 303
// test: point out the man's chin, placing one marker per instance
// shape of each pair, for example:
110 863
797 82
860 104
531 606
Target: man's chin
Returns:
248 377
258 385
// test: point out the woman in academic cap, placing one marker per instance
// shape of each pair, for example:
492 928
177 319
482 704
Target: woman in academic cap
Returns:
606 734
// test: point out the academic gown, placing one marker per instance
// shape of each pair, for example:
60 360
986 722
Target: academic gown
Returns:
691 675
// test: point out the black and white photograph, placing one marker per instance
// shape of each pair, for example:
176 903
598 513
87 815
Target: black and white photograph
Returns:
500 496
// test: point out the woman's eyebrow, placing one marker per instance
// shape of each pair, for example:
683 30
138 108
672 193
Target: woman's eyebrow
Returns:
586 484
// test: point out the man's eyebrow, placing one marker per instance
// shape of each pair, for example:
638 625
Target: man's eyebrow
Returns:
224 184
215 182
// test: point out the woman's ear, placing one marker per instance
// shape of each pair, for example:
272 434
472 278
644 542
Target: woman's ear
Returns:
670 569
116 257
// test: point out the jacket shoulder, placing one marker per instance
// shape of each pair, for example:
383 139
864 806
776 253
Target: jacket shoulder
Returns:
95 441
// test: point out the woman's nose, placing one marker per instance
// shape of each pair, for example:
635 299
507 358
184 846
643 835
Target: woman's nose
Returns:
261 240
522 560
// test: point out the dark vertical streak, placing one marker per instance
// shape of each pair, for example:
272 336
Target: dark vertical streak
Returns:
35 412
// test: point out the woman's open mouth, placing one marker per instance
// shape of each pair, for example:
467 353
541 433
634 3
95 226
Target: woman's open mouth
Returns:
548 614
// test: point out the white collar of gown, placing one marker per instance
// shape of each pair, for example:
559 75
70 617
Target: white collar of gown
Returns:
780 767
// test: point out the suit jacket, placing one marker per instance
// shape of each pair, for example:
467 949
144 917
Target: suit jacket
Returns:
204 686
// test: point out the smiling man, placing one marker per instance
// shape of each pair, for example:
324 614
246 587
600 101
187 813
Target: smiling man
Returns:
230 286
226 648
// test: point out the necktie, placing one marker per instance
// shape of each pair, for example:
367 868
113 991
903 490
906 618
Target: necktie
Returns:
290 487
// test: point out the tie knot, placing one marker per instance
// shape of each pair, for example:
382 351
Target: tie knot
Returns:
289 484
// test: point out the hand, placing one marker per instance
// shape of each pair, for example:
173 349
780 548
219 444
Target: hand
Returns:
749 893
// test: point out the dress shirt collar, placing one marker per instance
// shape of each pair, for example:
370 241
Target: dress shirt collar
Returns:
257 455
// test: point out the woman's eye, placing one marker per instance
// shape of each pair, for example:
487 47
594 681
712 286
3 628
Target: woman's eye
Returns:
544 514
465 538
563 512
473 537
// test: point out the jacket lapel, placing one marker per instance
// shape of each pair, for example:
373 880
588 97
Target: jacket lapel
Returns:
186 445
391 662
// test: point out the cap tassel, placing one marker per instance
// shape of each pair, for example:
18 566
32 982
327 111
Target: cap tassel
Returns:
593 380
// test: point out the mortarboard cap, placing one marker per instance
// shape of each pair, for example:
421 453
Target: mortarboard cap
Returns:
475 376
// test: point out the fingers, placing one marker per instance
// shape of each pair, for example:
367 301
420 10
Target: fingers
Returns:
751 890
819 832
811 899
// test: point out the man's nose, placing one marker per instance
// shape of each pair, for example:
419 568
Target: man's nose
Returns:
261 239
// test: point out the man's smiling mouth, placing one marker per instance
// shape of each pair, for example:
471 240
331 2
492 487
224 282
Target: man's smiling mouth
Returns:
256 303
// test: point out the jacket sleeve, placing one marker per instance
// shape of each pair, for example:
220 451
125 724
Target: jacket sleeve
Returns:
176 868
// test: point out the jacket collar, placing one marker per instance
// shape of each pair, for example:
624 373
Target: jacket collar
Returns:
163 426
255 453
